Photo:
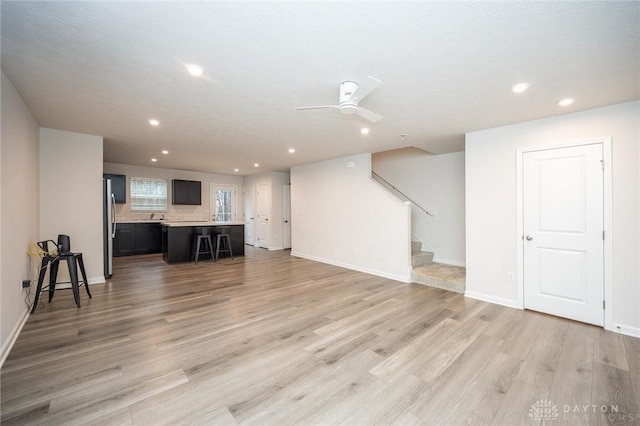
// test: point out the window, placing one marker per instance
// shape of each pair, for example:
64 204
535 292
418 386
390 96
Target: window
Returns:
223 200
148 194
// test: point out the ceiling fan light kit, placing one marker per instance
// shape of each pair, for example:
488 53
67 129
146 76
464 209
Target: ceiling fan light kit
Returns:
350 94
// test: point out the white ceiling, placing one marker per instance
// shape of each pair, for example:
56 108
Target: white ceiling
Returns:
105 68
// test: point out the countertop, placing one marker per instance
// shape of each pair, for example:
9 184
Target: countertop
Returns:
200 223
139 221
180 223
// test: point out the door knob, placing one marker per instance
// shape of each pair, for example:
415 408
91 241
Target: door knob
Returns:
529 237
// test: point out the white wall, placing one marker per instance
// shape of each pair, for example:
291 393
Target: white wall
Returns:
179 212
275 180
18 209
491 201
71 196
436 182
340 216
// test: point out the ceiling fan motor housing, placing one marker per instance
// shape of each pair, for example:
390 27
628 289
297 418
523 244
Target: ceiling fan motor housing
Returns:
347 103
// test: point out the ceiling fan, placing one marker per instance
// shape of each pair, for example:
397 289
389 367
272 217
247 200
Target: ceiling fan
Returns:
351 93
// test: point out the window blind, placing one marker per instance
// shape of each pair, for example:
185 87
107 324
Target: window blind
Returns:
148 194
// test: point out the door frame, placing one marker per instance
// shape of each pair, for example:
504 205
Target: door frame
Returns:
259 241
607 218
244 212
212 202
286 214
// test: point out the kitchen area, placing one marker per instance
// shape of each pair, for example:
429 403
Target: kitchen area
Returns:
161 216
151 210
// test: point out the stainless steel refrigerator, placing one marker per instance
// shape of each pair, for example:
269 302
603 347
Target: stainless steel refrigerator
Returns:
109 225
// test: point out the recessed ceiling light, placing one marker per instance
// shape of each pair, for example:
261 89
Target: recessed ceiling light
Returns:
256 165
154 159
291 150
165 152
520 87
195 70
566 101
364 131
154 122
236 170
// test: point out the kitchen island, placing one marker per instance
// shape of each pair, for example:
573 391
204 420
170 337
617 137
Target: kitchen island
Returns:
177 238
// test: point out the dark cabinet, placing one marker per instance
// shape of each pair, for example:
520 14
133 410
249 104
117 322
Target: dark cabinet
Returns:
124 243
186 192
137 238
118 186
148 238
177 242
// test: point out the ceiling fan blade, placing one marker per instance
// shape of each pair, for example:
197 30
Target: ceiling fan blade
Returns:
365 88
317 107
369 115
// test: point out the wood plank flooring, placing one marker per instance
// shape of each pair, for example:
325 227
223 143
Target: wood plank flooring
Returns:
270 339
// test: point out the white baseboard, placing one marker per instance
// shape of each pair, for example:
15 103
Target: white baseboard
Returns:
450 262
397 277
492 299
627 330
8 345
276 248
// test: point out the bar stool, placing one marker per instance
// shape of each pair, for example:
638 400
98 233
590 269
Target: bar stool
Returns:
202 235
223 241
53 262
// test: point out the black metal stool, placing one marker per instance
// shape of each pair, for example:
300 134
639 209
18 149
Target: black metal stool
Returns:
53 261
202 235
223 241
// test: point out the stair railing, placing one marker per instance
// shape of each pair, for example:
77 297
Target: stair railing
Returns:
373 172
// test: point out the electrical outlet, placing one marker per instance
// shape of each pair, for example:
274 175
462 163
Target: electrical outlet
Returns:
510 277
26 283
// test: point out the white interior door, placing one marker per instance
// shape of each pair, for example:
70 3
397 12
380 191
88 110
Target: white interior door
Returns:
263 207
563 232
286 208
249 201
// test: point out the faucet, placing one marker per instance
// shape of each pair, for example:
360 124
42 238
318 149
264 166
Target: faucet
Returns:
152 215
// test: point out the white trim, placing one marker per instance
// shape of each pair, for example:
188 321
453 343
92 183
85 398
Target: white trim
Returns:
492 299
608 222
244 214
13 336
286 208
607 178
396 277
626 329
451 262
276 248
212 200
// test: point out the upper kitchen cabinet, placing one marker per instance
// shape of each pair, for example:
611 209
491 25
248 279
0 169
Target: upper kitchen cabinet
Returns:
186 192
118 187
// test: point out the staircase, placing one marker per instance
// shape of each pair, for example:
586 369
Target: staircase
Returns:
426 271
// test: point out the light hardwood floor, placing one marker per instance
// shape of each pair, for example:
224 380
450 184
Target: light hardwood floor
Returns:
271 339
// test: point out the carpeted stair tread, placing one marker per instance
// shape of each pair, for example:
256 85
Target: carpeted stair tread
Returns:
442 276
416 246
421 258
